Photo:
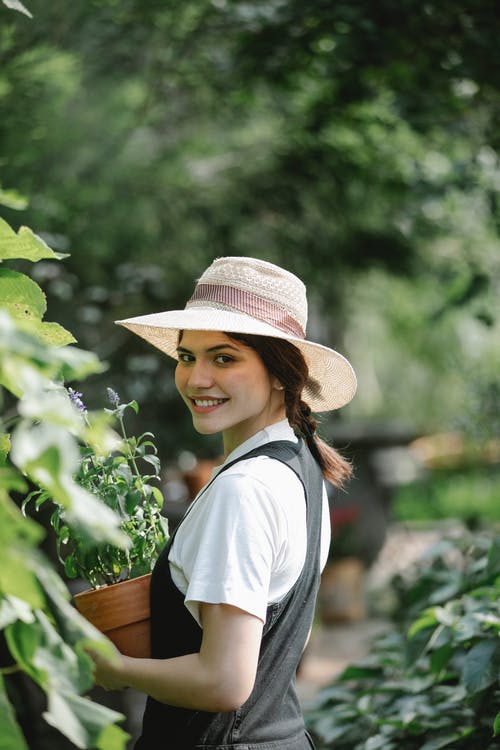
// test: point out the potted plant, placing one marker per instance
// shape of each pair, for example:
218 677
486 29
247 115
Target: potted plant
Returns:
117 602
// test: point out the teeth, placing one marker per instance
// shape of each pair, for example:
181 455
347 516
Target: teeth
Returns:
208 402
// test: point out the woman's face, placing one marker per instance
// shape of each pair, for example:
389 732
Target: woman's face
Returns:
226 387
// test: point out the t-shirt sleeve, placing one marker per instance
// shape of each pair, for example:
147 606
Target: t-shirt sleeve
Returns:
234 557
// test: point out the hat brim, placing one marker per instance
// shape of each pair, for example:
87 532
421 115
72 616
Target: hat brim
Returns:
330 370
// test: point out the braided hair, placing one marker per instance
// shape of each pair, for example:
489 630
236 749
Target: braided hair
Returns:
287 364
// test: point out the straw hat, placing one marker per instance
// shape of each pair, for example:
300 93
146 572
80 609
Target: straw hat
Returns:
246 295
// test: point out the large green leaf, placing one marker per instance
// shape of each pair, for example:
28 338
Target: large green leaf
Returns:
480 668
10 480
427 619
12 609
24 245
11 737
16 578
496 725
52 334
12 199
42 653
26 360
25 301
21 296
58 661
4 447
47 454
23 639
494 558
83 721
73 627
436 743
50 457
111 738
13 525
18 535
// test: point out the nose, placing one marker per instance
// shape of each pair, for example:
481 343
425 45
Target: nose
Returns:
200 375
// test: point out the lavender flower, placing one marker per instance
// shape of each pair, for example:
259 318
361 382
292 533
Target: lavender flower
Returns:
76 398
113 397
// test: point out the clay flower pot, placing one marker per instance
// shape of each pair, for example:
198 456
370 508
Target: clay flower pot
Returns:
121 612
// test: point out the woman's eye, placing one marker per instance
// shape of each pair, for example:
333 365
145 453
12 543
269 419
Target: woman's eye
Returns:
223 359
186 358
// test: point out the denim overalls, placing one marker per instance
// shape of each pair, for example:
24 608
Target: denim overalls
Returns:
271 718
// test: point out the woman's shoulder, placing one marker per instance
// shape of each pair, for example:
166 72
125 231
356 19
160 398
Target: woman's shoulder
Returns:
260 469
256 482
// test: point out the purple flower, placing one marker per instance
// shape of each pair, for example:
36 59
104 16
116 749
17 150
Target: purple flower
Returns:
113 397
76 398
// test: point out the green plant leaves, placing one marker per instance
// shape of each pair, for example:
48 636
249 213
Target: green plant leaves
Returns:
439 742
52 333
85 723
496 725
45 635
17 5
434 680
24 245
44 652
21 296
12 199
114 480
493 561
17 536
23 299
28 362
481 666
12 738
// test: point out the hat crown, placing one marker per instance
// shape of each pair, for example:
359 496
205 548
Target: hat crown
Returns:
254 287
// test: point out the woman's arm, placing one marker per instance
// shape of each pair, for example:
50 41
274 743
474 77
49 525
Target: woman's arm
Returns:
218 678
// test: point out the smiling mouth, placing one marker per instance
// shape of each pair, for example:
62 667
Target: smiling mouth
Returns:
206 402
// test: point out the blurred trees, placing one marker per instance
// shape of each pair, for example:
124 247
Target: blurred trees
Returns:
356 143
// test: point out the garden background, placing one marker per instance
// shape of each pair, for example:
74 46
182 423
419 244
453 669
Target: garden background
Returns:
354 143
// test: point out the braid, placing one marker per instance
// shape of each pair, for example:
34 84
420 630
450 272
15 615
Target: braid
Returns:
335 468
304 421
286 363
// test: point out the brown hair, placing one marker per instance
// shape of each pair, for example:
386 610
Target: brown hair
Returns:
286 363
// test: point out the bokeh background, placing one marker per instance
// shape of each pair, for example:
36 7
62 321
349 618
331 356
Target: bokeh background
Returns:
355 143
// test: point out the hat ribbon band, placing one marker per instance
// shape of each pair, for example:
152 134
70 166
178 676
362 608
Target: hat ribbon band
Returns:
248 303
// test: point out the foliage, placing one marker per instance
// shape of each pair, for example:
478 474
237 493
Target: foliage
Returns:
40 430
356 148
114 478
433 680
16 5
447 494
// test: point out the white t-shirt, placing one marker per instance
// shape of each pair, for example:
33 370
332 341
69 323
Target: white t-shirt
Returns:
243 541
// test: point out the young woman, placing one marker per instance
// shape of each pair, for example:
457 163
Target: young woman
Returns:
233 593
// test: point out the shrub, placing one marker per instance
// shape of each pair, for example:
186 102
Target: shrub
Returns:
42 636
433 680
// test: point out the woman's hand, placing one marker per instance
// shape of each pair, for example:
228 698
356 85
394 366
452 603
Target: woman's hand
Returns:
107 671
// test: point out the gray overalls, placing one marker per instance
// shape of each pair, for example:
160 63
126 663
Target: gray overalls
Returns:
271 718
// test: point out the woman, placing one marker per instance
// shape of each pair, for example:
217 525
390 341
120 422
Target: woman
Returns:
233 593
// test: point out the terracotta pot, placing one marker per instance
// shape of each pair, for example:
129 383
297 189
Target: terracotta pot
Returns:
121 612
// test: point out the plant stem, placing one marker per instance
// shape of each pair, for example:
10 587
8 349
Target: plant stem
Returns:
131 456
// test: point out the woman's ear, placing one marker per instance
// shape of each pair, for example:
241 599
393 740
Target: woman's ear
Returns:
277 385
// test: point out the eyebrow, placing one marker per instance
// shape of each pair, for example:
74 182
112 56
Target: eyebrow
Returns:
217 348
